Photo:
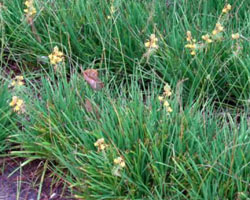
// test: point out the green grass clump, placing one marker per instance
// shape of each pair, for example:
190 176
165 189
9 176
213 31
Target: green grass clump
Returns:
133 139
6 116
194 152
111 34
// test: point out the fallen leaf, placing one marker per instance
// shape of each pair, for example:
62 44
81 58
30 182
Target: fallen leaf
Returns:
88 106
91 76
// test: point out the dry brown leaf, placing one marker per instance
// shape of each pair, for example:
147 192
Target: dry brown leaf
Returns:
91 76
89 108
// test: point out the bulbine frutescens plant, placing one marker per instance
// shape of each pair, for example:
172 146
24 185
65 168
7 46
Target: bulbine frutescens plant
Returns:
129 142
129 146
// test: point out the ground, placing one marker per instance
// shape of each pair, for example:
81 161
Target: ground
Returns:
22 185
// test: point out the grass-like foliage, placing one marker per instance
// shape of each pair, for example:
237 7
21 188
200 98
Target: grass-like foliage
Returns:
190 153
132 99
6 116
111 35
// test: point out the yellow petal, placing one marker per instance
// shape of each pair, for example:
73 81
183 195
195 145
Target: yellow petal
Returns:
160 98
16 108
166 104
155 46
229 7
147 44
224 10
19 102
189 36
169 109
20 78
13 83
214 32
209 41
20 83
122 164
235 36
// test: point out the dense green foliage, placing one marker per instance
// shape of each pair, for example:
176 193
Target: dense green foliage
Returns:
83 30
5 116
200 150
192 153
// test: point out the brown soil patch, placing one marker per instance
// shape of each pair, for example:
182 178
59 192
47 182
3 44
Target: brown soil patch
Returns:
24 183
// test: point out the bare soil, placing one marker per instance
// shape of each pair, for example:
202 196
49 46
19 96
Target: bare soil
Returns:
24 183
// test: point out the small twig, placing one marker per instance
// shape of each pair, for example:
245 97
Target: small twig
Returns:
33 29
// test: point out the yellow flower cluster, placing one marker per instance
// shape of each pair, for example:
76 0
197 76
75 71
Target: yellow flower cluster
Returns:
167 93
189 36
207 38
18 81
167 90
152 42
191 43
56 56
226 8
120 162
235 36
215 35
167 106
218 28
17 104
30 10
100 144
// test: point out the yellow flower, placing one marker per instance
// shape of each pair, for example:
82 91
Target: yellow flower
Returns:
207 38
28 3
218 28
56 56
226 8
152 43
100 144
30 10
214 32
120 161
19 78
16 108
112 9
160 98
190 46
18 81
166 104
235 36
169 109
167 90
229 7
17 104
193 53
14 101
191 43
189 36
